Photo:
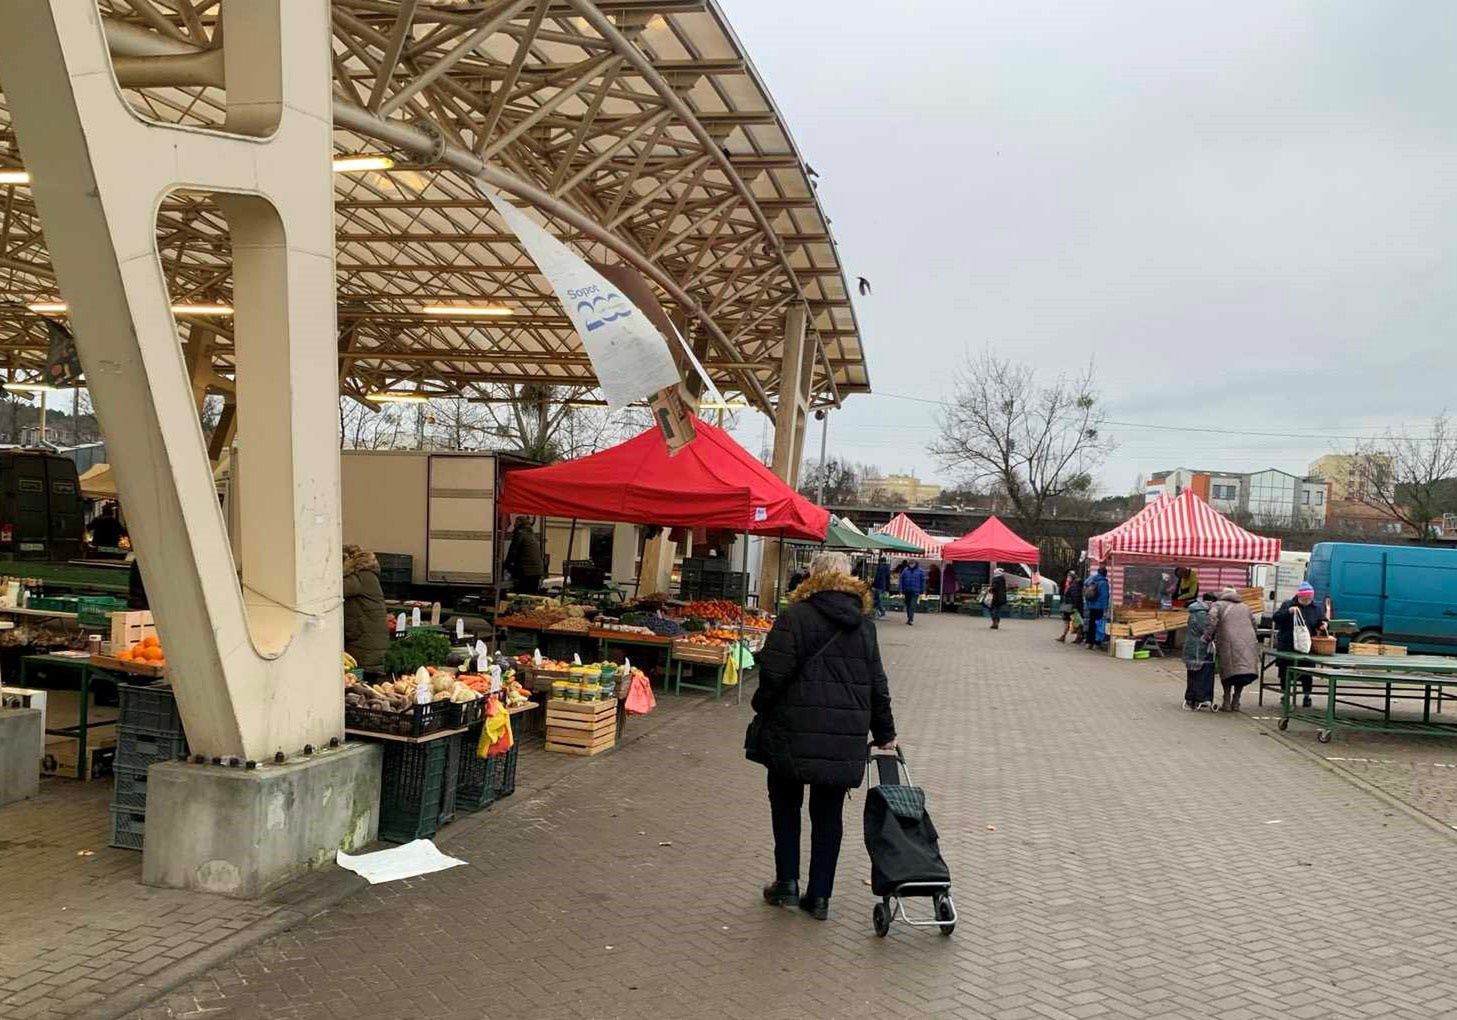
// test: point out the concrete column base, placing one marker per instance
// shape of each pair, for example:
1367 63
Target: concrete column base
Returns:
240 832
21 746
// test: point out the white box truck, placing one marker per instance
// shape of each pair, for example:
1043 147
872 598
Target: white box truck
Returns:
437 507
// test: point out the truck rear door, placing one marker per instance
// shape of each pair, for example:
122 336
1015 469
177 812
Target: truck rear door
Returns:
460 545
27 504
67 525
1421 597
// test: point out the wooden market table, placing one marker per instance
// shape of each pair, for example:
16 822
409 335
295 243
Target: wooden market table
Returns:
82 665
1343 684
1439 665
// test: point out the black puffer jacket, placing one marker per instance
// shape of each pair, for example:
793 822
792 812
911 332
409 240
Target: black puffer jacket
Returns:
822 688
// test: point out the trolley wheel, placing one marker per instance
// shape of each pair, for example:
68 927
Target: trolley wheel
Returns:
944 912
881 919
1324 736
1283 724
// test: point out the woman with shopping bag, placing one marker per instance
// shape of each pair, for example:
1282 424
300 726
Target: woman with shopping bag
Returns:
822 691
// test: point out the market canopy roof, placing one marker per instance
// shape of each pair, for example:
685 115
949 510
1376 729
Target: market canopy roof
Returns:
713 482
1184 527
902 527
992 542
844 535
639 128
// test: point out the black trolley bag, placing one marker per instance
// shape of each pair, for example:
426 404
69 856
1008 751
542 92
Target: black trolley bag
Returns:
905 856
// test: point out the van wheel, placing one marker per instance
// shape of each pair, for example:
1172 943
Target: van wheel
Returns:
1367 637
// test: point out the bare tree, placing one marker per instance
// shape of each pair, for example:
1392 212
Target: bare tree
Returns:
1409 478
1028 442
840 478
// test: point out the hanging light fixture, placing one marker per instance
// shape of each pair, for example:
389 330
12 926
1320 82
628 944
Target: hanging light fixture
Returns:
464 311
360 161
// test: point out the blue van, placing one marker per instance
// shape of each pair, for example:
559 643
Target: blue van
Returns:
1398 593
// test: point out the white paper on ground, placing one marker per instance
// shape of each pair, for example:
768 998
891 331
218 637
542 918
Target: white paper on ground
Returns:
408 860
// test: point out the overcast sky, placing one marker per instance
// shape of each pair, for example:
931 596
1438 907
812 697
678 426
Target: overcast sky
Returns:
1243 212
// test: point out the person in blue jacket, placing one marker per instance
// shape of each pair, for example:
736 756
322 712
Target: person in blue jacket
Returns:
913 586
880 585
1097 596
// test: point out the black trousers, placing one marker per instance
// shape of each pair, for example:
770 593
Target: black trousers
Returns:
826 805
995 611
1094 615
912 598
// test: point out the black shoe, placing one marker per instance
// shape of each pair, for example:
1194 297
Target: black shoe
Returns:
1305 702
781 894
817 907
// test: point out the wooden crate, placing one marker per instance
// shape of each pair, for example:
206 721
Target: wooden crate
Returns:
128 629
583 727
709 655
1393 649
1254 598
1365 649
146 669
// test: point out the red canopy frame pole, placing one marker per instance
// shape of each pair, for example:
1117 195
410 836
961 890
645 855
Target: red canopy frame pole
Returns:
738 652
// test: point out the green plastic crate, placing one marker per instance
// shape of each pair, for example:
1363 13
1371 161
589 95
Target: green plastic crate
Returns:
96 610
411 788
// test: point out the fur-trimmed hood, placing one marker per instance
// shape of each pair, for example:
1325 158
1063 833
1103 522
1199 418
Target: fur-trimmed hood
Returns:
357 559
827 585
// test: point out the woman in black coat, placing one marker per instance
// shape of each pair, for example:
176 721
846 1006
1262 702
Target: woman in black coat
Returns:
1314 615
822 690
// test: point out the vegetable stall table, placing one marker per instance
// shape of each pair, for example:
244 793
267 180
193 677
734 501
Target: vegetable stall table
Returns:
659 649
1343 684
714 657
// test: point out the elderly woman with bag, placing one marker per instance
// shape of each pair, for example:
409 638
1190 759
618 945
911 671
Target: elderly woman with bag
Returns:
1232 632
822 692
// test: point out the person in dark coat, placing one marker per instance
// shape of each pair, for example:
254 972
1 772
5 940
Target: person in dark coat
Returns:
1314 614
366 634
524 560
1072 606
822 690
880 585
1198 658
1097 598
999 597
913 586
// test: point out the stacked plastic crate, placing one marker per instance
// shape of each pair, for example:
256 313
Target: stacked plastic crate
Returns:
149 730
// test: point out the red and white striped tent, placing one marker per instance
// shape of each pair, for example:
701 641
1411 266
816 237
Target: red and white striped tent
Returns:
1183 528
902 527
1184 531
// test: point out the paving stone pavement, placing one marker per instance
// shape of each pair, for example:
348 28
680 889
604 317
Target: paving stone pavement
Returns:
1111 855
77 927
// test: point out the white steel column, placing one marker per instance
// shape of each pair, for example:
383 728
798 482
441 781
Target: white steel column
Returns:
788 437
255 665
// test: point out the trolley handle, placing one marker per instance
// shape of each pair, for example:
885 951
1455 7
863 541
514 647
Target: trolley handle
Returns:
887 764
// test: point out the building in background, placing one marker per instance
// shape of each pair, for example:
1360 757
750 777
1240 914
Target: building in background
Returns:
1350 474
1271 497
907 487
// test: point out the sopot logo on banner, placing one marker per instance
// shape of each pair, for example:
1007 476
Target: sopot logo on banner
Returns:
596 309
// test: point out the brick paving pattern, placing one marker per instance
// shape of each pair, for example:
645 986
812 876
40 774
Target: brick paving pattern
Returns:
1112 855
76 929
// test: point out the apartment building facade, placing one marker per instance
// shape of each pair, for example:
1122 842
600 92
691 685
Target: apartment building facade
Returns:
1272 497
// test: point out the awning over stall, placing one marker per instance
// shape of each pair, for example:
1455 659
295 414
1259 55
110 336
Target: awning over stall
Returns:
713 482
1183 528
992 542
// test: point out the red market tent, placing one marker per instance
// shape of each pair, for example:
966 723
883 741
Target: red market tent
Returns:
713 482
992 542
902 527
1183 528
